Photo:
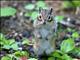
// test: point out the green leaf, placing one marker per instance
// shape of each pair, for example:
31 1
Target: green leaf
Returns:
18 54
60 56
10 55
27 14
30 6
66 57
6 42
57 54
26 41
67 45
10 44
41 4
6 58
7 11
25 53
76 51
2 39
11 41
34 15
14 46
21 53
59 18
75 35
51 58
76 3
7 46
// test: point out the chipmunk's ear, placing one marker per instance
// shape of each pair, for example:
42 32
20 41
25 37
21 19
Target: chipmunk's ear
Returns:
51 10
40 9
49 16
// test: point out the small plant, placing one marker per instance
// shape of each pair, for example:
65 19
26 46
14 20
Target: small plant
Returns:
69 44
59 18
75 35
34 15
67 47
6 58
7 11
21 53
41 4
30 6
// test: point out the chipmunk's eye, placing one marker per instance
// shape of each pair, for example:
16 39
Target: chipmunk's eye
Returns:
49 19
39 16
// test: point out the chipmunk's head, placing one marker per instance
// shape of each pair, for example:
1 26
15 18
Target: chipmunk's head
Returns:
45 15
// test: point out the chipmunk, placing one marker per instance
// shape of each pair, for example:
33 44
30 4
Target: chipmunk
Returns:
44 29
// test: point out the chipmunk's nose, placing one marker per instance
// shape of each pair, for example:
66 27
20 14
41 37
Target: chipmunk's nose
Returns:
44 22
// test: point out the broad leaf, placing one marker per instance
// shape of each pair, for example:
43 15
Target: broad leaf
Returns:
26 41
76 51
58 18
67 45
14 46
6 46
27 14
25 53
34 15
51 58
30 6
66 57
21 53
18 54
10 55
11 41
2 39
6 58
6 42
41 4
7 11
57 54
11 45
75 35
